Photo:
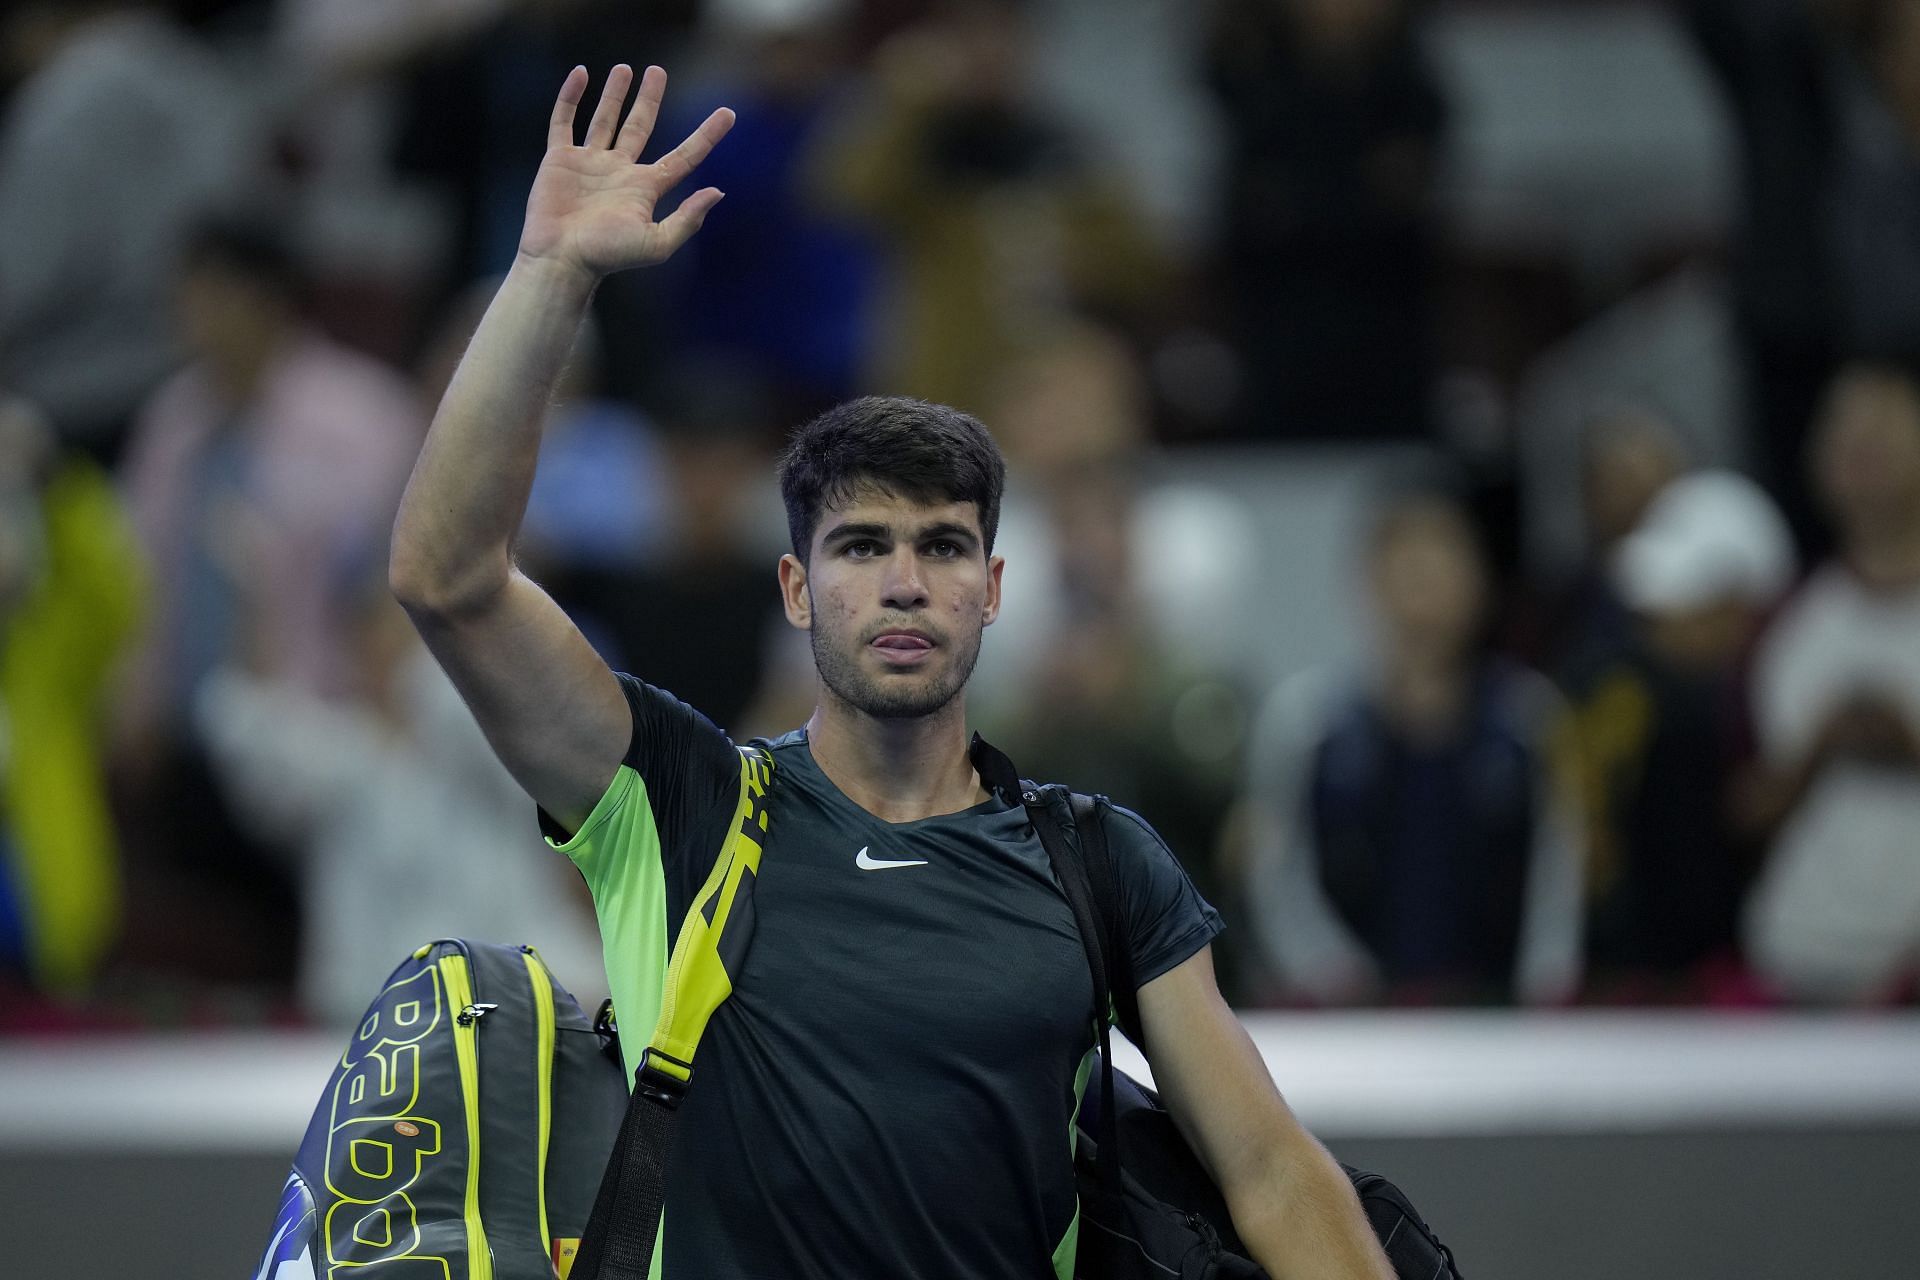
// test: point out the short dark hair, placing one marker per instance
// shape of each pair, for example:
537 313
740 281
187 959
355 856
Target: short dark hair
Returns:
252 245
913 449
1414 486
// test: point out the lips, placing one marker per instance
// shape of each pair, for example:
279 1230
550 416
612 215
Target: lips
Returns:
903 642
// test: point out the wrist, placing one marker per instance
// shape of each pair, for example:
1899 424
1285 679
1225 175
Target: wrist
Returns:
565 281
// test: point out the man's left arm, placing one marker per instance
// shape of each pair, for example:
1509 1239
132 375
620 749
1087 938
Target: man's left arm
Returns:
1292 1204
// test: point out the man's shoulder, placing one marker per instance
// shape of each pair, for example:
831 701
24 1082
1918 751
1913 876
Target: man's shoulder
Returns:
665 725
1132 834
1128 834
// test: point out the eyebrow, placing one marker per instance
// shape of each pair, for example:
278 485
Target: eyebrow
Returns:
950 530
854 532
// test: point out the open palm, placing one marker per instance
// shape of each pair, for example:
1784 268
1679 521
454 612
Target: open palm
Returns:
592 204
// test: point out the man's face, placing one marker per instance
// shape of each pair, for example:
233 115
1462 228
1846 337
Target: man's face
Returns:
1429 584
1866 451
895 598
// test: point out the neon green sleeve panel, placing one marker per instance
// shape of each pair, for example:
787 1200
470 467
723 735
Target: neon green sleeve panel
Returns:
618 851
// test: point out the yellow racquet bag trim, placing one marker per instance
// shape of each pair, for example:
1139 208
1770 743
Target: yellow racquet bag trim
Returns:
712 945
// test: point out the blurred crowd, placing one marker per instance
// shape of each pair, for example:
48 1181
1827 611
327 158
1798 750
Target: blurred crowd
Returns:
1673 760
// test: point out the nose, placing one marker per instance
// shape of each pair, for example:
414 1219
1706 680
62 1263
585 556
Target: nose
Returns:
902 587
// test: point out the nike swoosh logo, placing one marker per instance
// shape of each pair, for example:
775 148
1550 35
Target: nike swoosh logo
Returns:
865 863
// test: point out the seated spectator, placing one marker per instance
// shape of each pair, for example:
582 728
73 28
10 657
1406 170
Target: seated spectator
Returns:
705 568
1411 837
995 216
469 71
633 517
401 824
600 499
1073 414
1660 740
70 586
1628 457
1836 692
1104 679
253 475
1825 95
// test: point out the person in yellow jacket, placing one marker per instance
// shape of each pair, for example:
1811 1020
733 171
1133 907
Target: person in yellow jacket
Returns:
70 593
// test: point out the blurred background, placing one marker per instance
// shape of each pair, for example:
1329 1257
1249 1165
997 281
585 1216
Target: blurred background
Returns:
1465 492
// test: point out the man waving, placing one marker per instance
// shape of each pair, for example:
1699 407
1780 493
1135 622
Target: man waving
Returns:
890 1090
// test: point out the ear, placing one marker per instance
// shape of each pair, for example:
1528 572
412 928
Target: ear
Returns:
994 567
794 596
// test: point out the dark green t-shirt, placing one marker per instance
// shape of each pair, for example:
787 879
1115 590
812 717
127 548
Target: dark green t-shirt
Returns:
890 1090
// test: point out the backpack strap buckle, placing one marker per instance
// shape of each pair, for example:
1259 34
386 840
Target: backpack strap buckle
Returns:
662 1078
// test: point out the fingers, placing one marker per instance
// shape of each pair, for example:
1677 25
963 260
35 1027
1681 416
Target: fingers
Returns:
560 125
683 159
679 226
606 116
646 110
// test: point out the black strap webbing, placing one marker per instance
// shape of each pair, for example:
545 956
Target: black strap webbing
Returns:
1071 870
619 1246
1089 823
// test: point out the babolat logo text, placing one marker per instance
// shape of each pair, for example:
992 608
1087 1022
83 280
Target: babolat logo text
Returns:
377 1142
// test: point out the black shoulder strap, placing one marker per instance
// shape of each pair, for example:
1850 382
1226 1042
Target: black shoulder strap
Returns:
1071 871
1090 824
618 1242
1084 870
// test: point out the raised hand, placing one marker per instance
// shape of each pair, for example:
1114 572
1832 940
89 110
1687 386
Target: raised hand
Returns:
592 205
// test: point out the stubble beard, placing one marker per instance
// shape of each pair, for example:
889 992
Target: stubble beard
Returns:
902 697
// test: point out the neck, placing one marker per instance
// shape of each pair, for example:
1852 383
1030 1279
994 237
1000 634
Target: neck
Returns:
240 372
898 770
1424 693
1886 554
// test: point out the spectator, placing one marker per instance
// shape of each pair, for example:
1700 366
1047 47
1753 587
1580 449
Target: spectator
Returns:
1074 416
1110 650
123 132
1629 458
706 569
474 77
402 825
777 283
634 518
70 586
600 497
1827 97
1329 258
996 218
252 476
1661 737
377 242
1836 915
1412 839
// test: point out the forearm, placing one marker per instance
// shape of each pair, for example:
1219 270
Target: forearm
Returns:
1301 1220
453 535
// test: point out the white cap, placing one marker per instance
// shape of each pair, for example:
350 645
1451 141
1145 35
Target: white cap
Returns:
1710 536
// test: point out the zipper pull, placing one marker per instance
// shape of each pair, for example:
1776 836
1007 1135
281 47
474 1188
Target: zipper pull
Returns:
474 1012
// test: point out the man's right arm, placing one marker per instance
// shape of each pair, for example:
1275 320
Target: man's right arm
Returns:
552 710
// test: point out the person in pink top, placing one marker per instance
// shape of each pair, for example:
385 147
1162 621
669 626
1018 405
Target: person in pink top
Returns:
260 478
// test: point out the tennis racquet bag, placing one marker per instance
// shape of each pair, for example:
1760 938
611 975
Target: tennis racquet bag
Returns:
463 1132
1148 1208
1167 1217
